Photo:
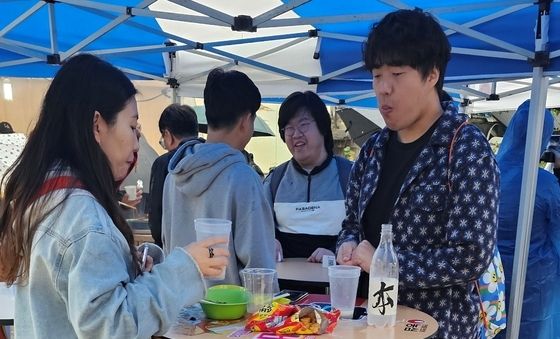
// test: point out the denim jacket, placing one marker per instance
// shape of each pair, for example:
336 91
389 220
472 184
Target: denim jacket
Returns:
444 220
82 283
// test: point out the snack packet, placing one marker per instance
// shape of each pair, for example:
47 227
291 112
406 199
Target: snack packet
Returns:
290 319
269 316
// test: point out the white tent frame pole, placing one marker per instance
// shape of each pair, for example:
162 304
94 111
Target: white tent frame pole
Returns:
102 31
266 16
22 17
197 7
487 53
52 29
489 17
231 63
141 74
20 62
23 51
555 54
135 50
526 201
528 184
25 45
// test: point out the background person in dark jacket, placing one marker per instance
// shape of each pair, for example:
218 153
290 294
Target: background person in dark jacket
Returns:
177 124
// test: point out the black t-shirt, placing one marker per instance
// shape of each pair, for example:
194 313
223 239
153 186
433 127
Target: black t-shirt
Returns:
398 159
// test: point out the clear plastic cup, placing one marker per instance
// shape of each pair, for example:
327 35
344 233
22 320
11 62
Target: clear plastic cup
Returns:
213 227
131 191
343 285
259 283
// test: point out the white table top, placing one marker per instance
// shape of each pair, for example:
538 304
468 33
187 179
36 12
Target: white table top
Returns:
300 269
411 324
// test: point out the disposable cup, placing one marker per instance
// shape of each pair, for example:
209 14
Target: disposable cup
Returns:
343 285
259 283
213 227
154 251
131 191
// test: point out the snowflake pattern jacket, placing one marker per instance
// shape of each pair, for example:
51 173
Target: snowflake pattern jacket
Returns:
444 220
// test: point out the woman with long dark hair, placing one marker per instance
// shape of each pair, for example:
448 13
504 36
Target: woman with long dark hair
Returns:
63 242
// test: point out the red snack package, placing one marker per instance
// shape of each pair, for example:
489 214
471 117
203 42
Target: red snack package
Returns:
309 320
269 317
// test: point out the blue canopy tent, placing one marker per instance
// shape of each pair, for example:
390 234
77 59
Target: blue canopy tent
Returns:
292 45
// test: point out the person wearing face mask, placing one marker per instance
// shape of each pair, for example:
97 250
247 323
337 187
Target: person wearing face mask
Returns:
307 192
177 124
63 241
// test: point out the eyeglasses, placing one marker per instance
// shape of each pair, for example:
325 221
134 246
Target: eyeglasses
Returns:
303 127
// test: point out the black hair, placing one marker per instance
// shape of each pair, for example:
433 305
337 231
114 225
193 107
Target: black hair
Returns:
180 120
228 96
6 128
315 106
64 137
408 38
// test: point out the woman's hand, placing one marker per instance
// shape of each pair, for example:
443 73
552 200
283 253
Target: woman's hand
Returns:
210 259
317 255
279 253
126 199
362 255
345 253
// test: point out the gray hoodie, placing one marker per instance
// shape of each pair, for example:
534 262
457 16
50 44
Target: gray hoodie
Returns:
213 180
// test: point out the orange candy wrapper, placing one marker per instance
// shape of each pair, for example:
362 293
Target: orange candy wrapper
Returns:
291 319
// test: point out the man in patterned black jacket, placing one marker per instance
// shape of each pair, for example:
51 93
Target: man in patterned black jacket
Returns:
443 211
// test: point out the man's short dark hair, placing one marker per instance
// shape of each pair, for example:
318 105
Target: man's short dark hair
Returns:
315 106
179 120
228 96
408 38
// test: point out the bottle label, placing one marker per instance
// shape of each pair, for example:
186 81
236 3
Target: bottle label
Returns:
382 299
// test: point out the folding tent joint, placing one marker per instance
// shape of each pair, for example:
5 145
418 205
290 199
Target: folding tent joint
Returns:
129 11
542 59
49 1
199 45
493 97
172 54
313 33
53 59
313 81
341 101
466 102
544 6
243 23
173 83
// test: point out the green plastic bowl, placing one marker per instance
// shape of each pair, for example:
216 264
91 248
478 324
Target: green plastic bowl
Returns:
231 302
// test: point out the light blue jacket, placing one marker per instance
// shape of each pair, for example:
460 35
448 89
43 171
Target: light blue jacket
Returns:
82 283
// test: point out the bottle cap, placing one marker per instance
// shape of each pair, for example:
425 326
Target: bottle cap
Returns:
386 228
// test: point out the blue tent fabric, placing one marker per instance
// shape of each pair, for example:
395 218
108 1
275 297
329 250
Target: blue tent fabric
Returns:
73 25
540 317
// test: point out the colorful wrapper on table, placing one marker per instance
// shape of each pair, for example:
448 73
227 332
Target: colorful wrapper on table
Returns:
292 319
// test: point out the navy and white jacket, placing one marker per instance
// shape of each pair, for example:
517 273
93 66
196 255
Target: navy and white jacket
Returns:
444 227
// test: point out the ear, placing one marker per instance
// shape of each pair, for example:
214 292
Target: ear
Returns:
433 76
246 121
98 125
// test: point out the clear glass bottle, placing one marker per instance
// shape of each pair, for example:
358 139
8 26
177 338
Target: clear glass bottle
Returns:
383 282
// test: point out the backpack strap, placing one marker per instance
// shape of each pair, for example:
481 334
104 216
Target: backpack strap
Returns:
344 166
275 177
466 122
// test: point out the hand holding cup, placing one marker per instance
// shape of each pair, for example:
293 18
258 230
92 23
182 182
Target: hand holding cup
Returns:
210 257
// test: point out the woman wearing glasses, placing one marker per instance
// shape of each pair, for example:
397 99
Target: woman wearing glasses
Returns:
307 192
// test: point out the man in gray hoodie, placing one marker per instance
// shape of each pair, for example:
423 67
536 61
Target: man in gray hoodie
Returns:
213 179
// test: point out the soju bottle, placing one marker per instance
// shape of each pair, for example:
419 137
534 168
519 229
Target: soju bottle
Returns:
383 282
